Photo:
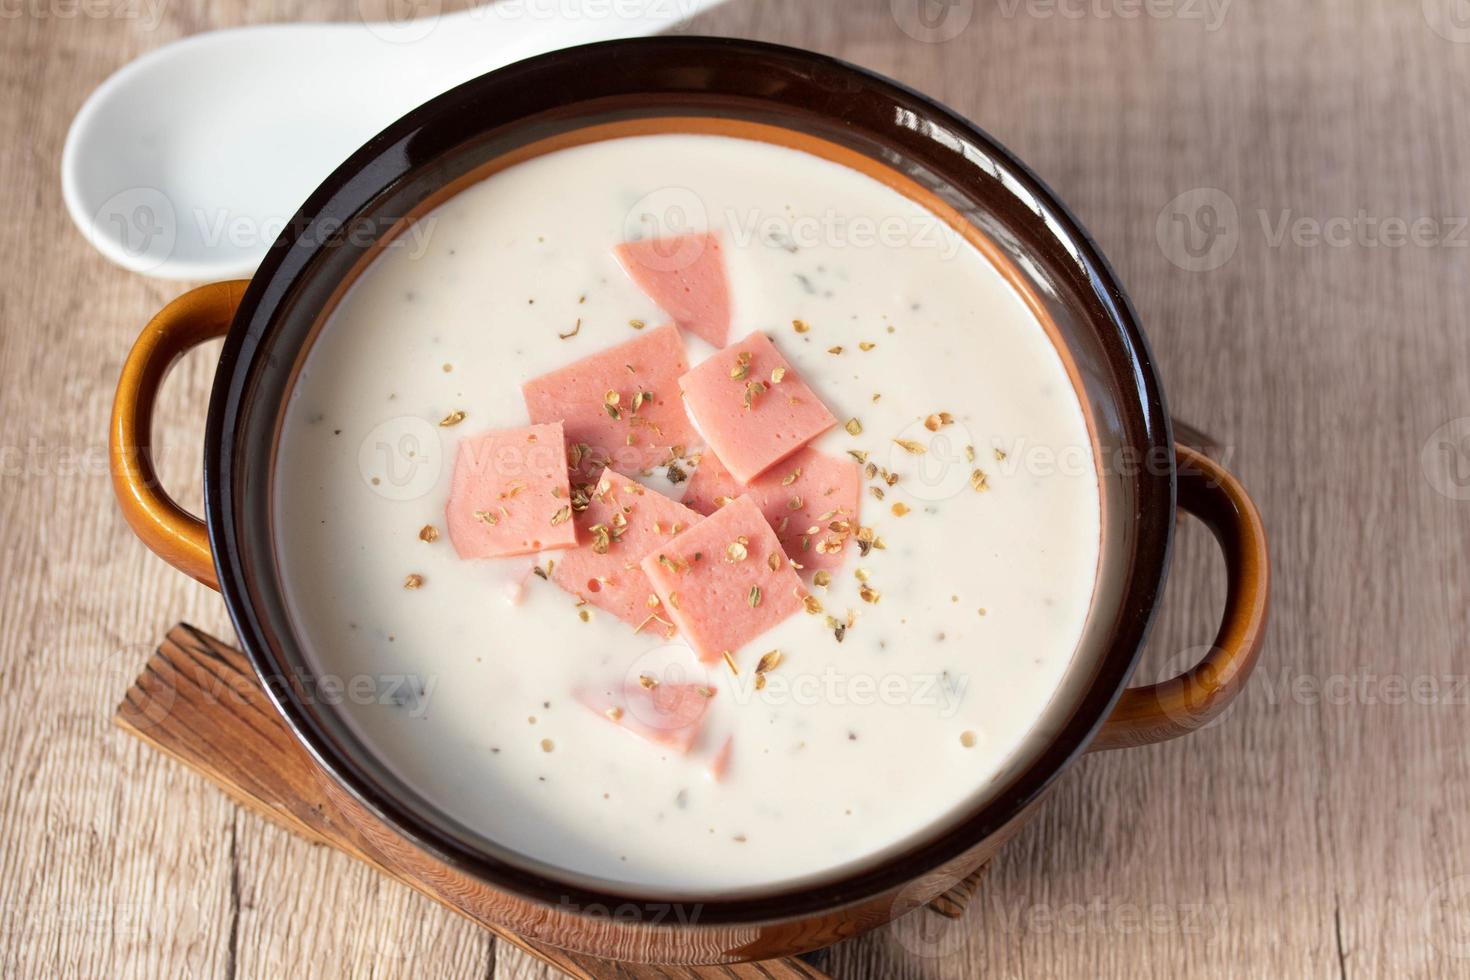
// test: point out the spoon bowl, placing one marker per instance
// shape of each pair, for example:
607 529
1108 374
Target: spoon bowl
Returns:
188 162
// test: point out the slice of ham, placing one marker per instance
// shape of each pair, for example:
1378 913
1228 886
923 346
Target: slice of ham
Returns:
668 715
509 493
712 486
685 276
635 427
725 581
623 522
751 406
719 765
812 501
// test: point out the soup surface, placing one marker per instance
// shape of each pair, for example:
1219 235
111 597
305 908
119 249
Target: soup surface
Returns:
934 654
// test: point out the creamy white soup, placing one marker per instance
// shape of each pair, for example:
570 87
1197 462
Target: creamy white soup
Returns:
935 652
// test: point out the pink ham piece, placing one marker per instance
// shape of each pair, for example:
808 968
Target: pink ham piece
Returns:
810 498
669 715
623 522
717 583
685 276
712 487
720 764
509 493
751 407
637 430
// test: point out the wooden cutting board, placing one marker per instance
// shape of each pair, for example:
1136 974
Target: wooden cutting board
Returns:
199 701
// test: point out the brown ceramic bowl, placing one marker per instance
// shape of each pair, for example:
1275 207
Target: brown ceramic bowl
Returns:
763 92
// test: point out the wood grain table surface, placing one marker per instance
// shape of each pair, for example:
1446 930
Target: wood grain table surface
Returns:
1283 186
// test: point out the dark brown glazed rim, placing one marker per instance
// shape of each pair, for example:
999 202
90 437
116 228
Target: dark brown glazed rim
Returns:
482 120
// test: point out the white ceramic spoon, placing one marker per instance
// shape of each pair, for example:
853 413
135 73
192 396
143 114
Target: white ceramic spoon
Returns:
186 163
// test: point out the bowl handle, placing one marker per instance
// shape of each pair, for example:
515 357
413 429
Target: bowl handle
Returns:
1178 706
171 532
